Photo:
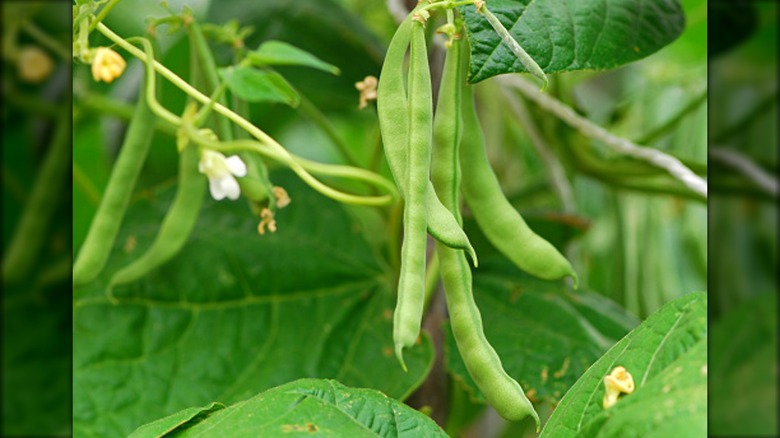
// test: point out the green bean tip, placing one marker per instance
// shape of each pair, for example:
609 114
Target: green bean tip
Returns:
400 356
473 254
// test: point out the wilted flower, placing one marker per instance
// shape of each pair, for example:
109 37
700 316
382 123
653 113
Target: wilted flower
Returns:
34 64
266 219
107 65
367 88
617 382
221 172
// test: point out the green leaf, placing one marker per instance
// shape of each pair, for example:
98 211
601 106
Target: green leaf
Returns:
545 334
180 420
324 27
254 85
316 407
236 313
569 35
281 53
667 357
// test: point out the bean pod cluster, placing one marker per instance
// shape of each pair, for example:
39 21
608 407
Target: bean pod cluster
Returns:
435 160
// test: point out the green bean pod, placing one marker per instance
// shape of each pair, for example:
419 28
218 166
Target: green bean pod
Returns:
481 360
501 223
447 132
411 284
392 107
31 231
177 225
102 233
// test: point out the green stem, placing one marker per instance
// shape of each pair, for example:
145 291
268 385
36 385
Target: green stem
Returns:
266 140
673 121
107 106
46 40
102 14
302 167
750 117
211 76
81 180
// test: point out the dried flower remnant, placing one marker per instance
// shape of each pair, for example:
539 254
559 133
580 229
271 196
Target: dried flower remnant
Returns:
619 381
34 65
266 220
367 88
107 65
282 198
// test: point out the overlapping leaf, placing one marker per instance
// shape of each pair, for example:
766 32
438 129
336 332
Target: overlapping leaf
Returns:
306 406
567 35
667 356
236 313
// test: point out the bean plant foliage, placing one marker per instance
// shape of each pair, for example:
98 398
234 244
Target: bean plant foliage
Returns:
265 306
570 35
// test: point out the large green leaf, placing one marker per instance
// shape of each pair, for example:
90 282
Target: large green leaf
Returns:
236 313
567 35
309 406
545 334
667 357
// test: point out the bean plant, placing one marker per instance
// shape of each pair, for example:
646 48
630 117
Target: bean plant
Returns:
386 218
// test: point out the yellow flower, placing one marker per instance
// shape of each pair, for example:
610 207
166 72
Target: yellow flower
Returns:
617 382
107 65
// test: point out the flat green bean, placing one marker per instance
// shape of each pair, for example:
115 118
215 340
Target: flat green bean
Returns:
502 224
392 107
102 233
411 284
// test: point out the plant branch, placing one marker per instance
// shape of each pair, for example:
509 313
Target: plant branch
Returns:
621 145
46 40
555 171
745 167
273 147
674 120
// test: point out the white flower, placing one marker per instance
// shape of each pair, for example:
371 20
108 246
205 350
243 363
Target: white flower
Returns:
221 172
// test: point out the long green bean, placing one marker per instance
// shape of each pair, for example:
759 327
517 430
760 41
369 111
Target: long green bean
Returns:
481 360
102 233
501 223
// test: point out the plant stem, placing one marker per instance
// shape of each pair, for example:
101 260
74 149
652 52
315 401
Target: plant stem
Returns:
555 171
46 40
621 145
674 120
102 14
